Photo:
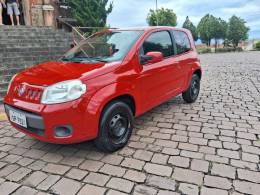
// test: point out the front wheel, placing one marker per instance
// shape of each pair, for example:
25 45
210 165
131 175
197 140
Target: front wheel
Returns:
115 128
192 93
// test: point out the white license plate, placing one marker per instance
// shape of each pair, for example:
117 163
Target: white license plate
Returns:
18 118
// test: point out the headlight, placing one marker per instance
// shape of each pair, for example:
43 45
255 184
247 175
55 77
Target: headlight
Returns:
63 92
9 85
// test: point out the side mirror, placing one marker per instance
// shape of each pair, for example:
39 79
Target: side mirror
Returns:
152 57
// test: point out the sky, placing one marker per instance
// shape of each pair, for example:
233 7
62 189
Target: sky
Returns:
131 13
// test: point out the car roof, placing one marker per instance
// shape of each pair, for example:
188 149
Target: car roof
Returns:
149 28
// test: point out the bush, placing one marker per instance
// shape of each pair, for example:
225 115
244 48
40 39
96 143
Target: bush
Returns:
228 49
204 50
257 46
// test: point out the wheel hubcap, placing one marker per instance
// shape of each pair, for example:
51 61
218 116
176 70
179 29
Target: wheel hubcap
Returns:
194 88
118 127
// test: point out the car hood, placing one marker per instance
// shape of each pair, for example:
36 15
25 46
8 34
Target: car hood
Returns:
49 73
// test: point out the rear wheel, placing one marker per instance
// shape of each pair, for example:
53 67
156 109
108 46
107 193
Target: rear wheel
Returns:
115 127
192 92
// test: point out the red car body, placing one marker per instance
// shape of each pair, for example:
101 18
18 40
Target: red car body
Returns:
146 85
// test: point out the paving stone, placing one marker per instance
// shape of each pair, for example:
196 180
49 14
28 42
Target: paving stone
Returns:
251 149
113 170
188 176
48 182
166 143
198 141
91 165
135 176
25 190
244 164
228 153
200 165
207 150
37 165
189 189
25 161
114 192
8 187
56 169
190 154
217 182
231 146
144 190
166 192
18 174
179 161
112 159
223 170
72 161
11 158
250 157
161 182
8 169
34 153
120 184
66 187
246 187
97 179
216 158
251 176
160 158
52 157
35 178
213 191
171 151
187 146
133 163
76 174
156 169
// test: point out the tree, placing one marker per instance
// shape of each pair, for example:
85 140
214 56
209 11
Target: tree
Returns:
189 25
91 13
164 17
206 29
237 30
219 31
257 46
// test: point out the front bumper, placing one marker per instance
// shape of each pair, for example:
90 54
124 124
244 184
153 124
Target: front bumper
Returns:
35 124
42 120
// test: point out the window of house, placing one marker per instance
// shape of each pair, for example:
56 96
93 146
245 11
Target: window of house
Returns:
160 42
182 42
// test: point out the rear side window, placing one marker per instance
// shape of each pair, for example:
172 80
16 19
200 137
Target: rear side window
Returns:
182 42
160 42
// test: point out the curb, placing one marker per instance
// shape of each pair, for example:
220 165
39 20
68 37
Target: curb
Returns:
3 116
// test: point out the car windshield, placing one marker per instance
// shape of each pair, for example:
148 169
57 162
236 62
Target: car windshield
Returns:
106 47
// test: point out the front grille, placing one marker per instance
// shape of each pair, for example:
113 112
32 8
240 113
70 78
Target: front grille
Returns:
33 94
29 93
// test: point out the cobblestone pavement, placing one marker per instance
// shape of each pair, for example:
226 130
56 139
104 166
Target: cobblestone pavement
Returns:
207 148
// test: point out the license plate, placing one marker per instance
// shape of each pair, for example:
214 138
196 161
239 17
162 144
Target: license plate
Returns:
18 118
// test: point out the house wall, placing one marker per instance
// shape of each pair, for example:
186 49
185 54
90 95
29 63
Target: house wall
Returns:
39 12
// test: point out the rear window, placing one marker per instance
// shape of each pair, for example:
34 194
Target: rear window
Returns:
182 42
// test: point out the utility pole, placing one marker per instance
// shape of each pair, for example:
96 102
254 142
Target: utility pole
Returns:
157 23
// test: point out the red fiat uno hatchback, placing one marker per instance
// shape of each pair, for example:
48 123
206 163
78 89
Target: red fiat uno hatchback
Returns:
97 88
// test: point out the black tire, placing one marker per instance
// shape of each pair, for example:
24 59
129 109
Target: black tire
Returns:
115 127
192 93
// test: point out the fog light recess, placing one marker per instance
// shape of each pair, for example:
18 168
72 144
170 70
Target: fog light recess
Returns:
63 131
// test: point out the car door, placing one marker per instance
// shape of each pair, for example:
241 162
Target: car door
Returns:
159 81
183 50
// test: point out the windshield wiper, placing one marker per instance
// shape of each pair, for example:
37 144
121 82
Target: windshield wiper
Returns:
76 59
99 59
